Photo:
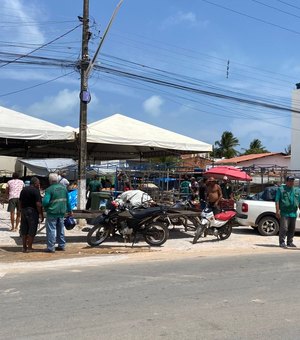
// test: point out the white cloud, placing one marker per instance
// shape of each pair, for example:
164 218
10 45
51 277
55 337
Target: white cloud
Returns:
180 17
62 109
23 26
153 105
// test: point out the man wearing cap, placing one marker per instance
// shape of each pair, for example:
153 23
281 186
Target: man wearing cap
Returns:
287 202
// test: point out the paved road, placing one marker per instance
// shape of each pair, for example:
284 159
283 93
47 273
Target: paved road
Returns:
244 297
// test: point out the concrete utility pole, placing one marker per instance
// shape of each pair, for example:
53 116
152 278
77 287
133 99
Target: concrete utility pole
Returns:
84 99
86 67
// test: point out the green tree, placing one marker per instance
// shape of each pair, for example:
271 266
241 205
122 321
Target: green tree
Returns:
167 162
255 147
225 147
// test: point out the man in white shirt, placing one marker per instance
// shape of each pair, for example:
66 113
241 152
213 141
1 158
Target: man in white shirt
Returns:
62 179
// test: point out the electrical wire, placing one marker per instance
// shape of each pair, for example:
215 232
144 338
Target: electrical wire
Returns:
251 17
288 4
40 47
36 85
277 9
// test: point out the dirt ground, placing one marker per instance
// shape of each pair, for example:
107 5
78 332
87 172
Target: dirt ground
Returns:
243 240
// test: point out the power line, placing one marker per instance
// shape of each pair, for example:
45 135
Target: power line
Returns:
276 9
288 4
36 85
38 48
170 81
195 90
251 17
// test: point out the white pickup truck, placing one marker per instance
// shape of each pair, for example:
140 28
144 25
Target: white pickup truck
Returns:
258 211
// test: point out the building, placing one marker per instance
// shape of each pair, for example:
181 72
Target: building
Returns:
295 134
260 160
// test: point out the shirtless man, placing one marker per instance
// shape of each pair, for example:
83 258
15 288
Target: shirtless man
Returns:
213 194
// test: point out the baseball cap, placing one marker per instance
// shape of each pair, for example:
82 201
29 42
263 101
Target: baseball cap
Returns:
290 178
225 178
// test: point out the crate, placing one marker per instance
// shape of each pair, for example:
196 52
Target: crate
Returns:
227 204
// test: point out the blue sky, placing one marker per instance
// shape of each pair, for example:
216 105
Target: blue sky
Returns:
184 43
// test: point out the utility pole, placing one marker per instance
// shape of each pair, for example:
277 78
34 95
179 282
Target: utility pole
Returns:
84 100
86 66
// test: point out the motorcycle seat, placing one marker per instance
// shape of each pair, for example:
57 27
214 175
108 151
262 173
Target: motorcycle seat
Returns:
225 215
141 213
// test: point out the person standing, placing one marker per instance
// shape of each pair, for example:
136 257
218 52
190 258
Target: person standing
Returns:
94 186
31 209
213 195
56 203
63 180
194 188
185 188
13 190
226 188
202 192
287 201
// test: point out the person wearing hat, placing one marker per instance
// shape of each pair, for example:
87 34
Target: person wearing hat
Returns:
194 188
287 202
226 188
213 195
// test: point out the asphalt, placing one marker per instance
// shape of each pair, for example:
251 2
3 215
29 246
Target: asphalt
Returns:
243 240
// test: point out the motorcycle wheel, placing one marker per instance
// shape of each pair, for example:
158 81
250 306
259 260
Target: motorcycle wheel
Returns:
97 235
194 223
156 234
198 233
225 232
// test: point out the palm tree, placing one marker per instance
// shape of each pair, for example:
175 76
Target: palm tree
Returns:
225 147
255 147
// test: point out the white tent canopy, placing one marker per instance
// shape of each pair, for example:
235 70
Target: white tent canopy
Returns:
16 125
19 133
119 129
116 137
42 167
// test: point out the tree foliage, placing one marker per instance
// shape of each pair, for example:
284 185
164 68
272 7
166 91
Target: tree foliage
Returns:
168 162
255 147
225 147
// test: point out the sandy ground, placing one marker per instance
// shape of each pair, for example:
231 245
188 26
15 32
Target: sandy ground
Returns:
244 240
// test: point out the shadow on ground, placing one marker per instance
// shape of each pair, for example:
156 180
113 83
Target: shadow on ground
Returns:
274 246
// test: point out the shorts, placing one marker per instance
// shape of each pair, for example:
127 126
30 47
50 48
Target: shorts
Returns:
29 221
13 204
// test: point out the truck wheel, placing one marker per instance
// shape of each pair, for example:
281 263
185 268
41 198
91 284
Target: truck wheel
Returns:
268 226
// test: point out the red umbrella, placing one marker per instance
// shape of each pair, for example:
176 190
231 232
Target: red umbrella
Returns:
230 171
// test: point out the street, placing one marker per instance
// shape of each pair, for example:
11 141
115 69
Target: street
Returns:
231 297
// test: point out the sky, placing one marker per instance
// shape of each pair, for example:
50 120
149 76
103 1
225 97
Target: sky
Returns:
198 68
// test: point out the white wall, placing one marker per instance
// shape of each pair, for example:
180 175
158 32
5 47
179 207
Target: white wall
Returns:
295 131
269 161
8 165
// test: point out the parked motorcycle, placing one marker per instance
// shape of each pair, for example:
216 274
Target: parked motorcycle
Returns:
219 225
129 223
189 222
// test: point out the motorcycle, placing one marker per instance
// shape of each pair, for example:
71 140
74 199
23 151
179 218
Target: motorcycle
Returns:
129 223
219 225
178 219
